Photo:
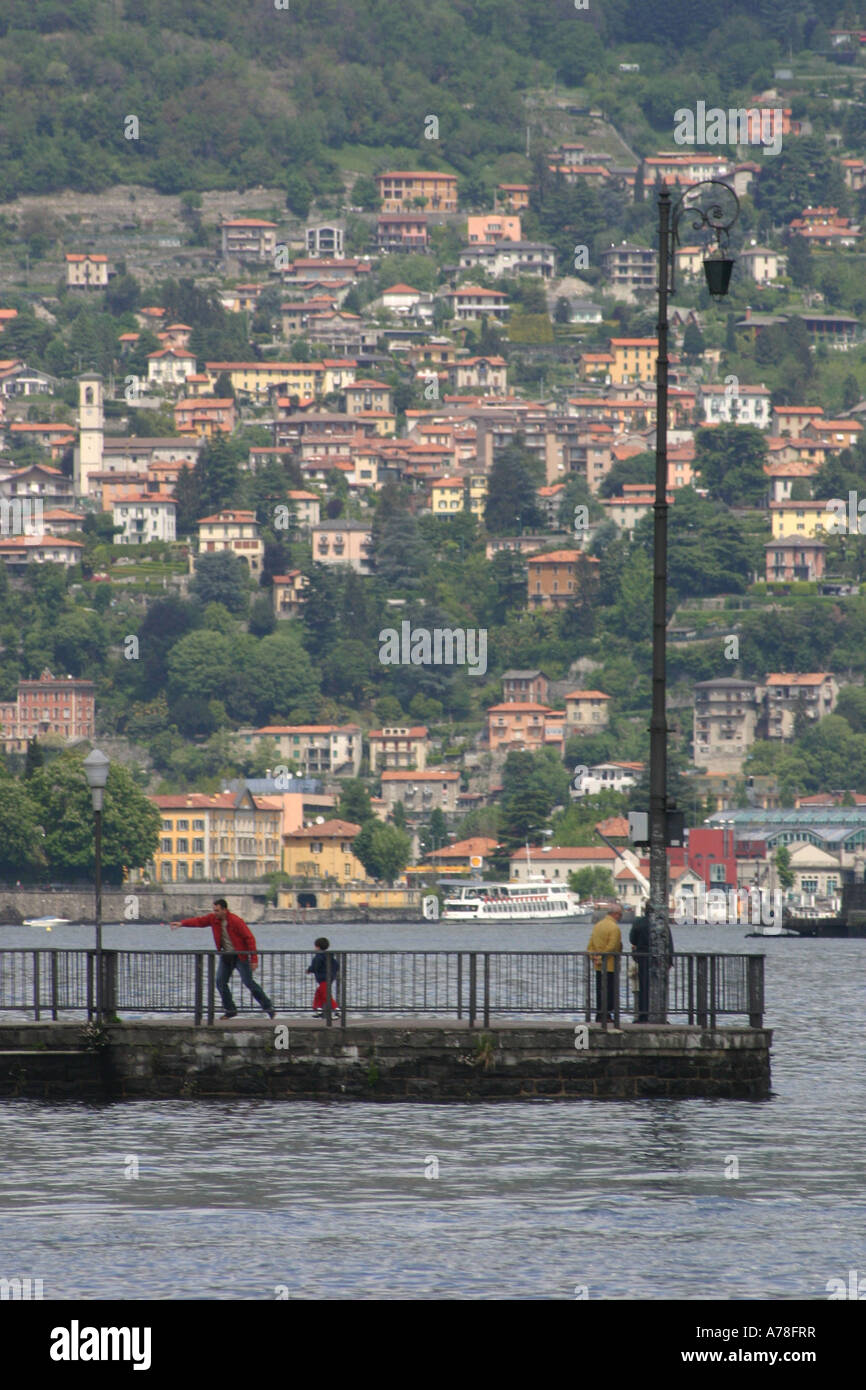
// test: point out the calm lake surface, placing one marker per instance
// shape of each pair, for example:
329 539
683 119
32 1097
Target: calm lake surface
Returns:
243 1199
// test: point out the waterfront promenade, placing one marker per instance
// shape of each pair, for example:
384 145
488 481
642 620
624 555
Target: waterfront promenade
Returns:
412 1025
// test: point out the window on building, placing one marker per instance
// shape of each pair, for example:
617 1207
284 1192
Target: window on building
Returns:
166 845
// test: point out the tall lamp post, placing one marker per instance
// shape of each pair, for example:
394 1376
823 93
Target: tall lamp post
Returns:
713 207
96 767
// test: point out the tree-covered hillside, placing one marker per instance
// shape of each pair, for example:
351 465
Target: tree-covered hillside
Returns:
230 95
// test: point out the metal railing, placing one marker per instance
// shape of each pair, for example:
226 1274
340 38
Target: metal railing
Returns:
464 985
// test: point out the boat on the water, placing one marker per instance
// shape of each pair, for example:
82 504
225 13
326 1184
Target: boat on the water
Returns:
46 922
474 901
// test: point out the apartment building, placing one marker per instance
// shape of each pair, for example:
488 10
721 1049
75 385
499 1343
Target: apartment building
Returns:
629 268
634 359
811 695
421 791
225 836
532 686
318 749
144 517
58 706
399 748
726 717
342 543
249 238
747 405
400 189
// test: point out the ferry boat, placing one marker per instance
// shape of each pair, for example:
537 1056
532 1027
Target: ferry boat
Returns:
512 902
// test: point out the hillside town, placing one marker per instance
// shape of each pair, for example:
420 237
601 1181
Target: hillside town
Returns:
239 482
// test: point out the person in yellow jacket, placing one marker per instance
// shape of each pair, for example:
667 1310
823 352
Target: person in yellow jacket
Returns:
606 940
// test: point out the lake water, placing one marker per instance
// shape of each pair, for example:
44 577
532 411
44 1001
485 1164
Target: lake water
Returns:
242 1199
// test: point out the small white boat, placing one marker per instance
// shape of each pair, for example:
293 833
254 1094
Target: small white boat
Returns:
46 922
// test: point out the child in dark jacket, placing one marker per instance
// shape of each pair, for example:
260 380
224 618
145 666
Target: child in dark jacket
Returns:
318 967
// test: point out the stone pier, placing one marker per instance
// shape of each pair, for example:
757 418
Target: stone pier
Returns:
382 1060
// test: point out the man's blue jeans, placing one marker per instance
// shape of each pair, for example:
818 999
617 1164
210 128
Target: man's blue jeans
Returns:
227 964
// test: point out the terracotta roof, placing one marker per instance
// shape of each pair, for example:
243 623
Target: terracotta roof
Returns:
328 830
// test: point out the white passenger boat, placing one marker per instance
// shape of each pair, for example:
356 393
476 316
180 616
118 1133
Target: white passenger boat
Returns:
46 922
468 901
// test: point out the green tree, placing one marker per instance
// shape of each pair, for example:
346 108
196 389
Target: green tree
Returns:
731 463
512 501
592 883
784 872
639 468
35 758
221 578
693 341
21 852
130 827
354 804
383 849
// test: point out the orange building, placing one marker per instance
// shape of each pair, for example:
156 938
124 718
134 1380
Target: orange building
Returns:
555 578
398 189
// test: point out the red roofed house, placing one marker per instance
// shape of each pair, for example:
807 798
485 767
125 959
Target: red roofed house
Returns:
555 578
170 366
205 416
230 529
86 271
523 724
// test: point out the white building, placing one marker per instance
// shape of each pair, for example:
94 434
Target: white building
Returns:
511 258
611 777
325 240
735 404
170 366
145 517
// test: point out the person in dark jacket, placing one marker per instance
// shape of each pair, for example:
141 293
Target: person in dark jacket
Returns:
237 947
639 940
319 969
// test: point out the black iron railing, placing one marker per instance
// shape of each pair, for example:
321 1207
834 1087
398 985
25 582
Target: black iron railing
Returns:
466 985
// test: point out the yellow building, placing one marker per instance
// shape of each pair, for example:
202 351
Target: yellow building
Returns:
447 496
477 494
634 359
305 379
221 837
323 851
800 519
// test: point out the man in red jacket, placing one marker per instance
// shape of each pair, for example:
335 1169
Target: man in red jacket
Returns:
237 947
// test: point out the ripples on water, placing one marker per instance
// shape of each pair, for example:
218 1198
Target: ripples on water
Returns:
630 1199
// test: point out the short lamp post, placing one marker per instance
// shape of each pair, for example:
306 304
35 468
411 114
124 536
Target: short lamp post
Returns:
713 207
96 767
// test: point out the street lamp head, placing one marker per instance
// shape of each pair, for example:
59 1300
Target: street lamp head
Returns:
96 766
718 273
